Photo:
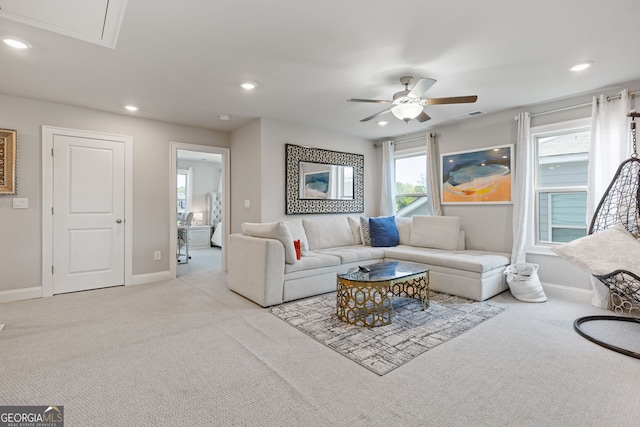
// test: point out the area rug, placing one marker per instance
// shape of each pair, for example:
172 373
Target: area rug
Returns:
412 330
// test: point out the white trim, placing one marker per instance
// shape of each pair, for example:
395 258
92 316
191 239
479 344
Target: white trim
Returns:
47 199
20 294
173 167
568 293
532 246
142 279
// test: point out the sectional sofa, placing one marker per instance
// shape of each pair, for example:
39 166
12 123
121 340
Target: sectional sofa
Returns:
264 266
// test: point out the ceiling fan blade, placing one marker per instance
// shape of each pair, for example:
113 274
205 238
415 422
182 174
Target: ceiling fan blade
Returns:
450 100
421 87
381 113
377 101
423 117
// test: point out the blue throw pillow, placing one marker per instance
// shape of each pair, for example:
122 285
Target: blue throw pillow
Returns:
384 231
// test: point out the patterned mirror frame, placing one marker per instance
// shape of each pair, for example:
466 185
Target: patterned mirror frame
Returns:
295 205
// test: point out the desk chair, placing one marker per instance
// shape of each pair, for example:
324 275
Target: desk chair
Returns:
183 238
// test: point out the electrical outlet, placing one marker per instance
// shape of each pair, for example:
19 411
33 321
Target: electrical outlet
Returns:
157 255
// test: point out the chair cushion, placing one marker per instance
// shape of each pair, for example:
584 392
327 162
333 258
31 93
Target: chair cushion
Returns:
603 252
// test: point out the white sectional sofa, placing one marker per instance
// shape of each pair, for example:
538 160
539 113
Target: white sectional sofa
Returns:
263 266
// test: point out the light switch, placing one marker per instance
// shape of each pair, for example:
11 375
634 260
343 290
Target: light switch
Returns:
20 203
247 203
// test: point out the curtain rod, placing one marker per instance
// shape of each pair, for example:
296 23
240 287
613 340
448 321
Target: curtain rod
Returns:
415 138
586 104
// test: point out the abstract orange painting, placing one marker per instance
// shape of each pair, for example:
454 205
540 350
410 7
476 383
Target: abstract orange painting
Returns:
479 176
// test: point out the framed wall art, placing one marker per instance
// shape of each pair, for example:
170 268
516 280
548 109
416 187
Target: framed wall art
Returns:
8 145
477 176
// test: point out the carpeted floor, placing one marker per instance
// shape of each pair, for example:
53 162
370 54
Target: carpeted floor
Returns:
191 352
382 349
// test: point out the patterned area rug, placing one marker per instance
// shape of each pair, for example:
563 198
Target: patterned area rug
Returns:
384 348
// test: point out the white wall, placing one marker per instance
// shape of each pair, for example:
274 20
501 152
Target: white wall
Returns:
20 229
246 175
276 134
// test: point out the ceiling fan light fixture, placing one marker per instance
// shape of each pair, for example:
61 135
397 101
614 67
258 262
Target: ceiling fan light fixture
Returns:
407 111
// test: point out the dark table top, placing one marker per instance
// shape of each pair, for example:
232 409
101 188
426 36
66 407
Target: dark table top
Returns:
385 271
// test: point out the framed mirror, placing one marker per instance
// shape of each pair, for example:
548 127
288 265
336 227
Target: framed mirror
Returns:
323 181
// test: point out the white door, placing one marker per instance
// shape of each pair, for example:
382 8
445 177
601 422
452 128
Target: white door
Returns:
88 213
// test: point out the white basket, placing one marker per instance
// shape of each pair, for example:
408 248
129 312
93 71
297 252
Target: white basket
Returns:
524 283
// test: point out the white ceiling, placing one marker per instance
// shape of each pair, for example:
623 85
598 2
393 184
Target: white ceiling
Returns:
182 61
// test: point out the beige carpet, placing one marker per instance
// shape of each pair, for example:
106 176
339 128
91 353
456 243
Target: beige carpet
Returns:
190 352
382 349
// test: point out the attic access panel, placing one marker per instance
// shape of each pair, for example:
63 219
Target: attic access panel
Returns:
96 21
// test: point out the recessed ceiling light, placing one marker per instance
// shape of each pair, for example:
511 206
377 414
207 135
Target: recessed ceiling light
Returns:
383 123
131 108
248 85
582 66
224 117
17 44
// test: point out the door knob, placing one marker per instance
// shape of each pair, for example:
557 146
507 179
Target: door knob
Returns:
118 220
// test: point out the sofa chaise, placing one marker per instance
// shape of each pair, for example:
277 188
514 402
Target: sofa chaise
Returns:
264 266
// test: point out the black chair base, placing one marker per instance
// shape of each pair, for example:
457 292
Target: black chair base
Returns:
579 321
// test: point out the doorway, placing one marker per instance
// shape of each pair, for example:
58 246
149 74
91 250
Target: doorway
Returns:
86 234
199 185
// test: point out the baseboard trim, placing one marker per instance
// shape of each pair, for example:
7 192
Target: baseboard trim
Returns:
141 279
21 294
568 292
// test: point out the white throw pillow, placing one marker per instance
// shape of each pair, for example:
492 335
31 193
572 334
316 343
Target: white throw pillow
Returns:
354 224
273 230
297 233
437 232
603 252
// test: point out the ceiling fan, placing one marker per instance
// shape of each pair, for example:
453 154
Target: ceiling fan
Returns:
408 104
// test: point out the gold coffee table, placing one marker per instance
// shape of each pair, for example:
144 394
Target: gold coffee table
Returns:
363 297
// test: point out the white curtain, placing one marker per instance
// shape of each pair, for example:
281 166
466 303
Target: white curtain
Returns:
433 194
609 146
521 189
388 185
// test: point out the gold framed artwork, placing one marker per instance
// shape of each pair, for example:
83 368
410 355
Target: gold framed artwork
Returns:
8 145
477 176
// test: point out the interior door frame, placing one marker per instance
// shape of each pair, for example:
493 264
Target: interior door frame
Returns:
173 239
48 133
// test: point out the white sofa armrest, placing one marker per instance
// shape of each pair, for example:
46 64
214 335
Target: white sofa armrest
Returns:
256 268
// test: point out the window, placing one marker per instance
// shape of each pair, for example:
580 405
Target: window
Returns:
411 173
183 191
562 157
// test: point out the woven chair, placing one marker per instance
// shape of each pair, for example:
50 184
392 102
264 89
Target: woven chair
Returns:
620 204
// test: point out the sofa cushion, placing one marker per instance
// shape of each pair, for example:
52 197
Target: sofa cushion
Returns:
312 261
273 230
355 253
469 260
404 229
297 233
354 224
327 233
438 232
383 231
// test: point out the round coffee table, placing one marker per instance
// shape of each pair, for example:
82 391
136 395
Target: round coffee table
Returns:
363 297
